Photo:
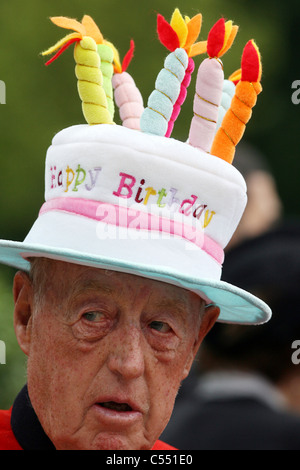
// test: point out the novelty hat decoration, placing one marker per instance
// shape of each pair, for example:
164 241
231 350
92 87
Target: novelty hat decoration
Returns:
129 197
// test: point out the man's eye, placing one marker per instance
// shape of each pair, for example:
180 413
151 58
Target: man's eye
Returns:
93 316
160 326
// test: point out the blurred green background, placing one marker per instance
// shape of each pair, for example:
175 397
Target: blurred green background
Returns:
42 100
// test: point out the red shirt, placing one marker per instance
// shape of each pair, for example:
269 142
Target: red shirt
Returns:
9 442
7 438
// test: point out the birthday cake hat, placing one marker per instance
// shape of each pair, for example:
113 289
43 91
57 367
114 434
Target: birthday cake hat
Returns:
129 197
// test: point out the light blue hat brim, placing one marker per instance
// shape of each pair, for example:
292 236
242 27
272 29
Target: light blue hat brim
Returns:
236 305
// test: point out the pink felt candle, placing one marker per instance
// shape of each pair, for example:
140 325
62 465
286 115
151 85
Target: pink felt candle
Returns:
207 100
128 99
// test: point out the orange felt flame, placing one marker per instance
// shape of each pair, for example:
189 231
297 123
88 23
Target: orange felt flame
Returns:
69 23
91 29
220 38
194 28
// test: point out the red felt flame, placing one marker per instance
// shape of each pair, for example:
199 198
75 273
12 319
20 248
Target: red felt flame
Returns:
167 36
62 49
128 56
215 40
251 66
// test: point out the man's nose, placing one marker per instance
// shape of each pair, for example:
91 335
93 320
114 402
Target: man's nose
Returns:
127 353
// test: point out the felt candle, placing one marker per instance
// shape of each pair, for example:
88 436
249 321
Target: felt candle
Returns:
156 116
90 82
209 86
128 99
240 111
164 103
182 96
127 96
106 65
88 66
106 54
227 95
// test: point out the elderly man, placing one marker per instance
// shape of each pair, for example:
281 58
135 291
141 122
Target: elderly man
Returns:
119 283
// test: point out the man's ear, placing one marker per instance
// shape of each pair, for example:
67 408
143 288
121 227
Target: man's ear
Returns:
209 318
23 295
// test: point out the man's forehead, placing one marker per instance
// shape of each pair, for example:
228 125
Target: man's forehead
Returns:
109 281
77 280
112 282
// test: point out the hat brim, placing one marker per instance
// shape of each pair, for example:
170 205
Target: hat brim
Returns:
236 305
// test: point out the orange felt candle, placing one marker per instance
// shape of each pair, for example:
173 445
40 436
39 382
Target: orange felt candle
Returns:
240 111
235 120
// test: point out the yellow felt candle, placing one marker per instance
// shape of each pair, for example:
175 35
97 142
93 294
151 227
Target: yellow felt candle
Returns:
88 71
90 82
106 55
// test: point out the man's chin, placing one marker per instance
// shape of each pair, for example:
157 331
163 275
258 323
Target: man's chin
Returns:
112 442
107 441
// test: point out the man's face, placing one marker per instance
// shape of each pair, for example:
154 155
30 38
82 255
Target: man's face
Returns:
106 353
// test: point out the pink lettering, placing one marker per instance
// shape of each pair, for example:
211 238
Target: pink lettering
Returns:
189 203
125 185
53 177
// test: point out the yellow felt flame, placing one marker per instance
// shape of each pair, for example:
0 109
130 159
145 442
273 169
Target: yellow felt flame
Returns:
236 76
61 42
179 26
259 59
230 34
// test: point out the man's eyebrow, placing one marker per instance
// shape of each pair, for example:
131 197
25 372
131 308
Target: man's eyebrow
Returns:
177 305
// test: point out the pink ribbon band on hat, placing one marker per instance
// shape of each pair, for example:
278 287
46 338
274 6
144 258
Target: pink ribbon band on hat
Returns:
134 219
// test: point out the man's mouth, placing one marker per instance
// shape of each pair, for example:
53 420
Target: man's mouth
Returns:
112 405
118 414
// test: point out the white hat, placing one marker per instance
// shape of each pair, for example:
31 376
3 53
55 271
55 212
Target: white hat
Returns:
136 201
